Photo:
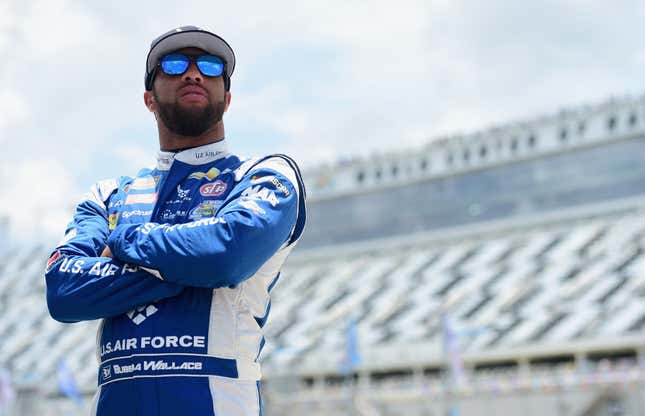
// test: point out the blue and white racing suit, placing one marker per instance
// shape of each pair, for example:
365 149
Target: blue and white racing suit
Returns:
198 243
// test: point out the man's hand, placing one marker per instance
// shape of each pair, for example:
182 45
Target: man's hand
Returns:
106 252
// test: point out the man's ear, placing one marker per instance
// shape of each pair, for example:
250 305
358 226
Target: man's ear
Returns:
149 101
227 100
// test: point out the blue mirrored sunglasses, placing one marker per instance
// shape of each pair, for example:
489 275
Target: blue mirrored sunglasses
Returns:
178 63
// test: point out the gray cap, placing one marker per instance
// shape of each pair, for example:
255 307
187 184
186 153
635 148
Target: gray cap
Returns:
188 37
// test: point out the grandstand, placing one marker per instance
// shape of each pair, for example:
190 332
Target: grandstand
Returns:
494 273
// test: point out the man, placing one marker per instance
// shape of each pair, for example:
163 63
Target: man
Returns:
179 261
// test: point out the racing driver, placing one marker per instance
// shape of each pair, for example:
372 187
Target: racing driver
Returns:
179 261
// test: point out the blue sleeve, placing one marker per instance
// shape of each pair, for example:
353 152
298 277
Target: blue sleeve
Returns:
256 219
82 286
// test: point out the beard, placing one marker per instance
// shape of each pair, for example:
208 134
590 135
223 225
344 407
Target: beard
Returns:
190 122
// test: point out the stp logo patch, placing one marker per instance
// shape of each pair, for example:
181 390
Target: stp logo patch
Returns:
213 189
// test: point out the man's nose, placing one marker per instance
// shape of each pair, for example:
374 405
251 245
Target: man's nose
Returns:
192 73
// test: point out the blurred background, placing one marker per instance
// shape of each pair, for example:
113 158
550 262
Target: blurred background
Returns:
476 233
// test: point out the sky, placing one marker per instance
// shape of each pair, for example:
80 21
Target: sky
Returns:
321 81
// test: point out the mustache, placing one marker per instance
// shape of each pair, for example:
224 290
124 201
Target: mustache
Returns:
193 85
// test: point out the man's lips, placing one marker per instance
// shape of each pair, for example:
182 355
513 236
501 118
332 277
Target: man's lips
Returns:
192 90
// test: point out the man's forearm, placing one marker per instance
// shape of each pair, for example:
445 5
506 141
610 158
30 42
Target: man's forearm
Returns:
86 288
217 251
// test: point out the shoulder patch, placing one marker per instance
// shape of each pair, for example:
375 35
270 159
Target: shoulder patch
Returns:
288 168
53 260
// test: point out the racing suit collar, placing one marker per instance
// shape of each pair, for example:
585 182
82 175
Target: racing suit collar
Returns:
199 155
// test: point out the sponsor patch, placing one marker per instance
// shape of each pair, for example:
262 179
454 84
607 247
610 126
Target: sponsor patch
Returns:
142 313
216 188
112 220
280 186
204 209
141 199
55 258
183 193
210 175
258 192
144 183
170 215
138 212
157 342
107 372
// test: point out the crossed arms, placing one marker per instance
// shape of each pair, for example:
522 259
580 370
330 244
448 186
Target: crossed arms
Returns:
153 261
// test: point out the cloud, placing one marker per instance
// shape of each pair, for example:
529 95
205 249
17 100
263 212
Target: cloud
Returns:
318 80
38 196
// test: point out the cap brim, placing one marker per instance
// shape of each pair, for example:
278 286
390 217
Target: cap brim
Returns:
205 41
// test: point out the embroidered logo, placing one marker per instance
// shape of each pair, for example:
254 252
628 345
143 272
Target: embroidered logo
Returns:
53 260
141 199
216 188
142 313
205 209
107 372
144 183
210 175
112 220
183 193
